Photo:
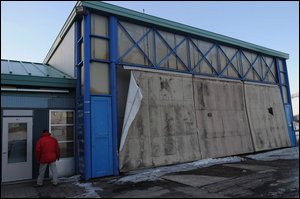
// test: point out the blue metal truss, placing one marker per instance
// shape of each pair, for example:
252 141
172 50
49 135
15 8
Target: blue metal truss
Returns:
192 69
251 66
269 69
135 44
229 62
204 57
173 51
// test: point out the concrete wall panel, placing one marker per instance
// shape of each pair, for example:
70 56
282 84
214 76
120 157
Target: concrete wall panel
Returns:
164 130
266 117
221 118
182 119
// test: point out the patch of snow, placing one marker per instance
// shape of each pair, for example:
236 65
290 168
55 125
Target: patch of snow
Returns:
74 178
154 173
285 154
90 191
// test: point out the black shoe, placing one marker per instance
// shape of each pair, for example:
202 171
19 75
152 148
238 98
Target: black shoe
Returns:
38 185
54 185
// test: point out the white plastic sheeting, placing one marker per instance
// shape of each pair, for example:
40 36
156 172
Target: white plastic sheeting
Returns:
134 99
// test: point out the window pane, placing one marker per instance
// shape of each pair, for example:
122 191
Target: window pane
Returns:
282 76
285 94
82 51
99 78
99 25
62 117
82 81
100 49
17 142
63 133
66 149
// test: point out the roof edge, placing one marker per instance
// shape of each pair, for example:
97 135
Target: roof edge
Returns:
124 12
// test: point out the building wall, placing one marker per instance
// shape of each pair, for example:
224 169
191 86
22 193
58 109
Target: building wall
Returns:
184 118
146 46
295 103
40 104
64 56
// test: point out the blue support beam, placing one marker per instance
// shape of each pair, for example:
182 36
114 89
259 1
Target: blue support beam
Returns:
78 76
87 96
113 56
289 106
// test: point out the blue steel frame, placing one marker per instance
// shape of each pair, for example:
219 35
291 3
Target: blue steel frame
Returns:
289 101
113 56
87 95
115 60
78 76
192 70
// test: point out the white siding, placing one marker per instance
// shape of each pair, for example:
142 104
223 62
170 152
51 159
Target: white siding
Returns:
63 57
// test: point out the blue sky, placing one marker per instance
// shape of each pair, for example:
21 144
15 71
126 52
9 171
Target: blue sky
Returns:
28 29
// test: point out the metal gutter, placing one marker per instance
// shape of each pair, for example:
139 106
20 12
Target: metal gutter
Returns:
34 90
37 81
124 12
130 14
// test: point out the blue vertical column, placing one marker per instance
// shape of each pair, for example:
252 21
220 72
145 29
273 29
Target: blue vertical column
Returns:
289 107
87 96
113 56
78 76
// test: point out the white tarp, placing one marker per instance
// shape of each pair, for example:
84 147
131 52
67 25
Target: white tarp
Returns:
133 103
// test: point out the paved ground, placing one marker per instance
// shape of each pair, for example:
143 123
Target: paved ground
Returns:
274 174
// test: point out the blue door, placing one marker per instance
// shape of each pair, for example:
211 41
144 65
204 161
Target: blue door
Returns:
289 117
102 155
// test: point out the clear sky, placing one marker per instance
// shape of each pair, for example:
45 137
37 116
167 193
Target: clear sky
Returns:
28 29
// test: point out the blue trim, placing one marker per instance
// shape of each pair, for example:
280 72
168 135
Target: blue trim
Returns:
189 54
113 53
100 61
99 37
279 78
154 46
292 132
87 97
78 76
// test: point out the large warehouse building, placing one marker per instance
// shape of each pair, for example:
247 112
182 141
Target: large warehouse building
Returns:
152 92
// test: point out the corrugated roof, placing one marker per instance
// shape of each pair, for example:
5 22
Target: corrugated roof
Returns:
33 74
130 14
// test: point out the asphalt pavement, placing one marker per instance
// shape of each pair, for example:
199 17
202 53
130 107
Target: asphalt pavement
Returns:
263 175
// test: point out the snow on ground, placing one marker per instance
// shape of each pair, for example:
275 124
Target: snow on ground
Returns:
154 173
286 154
90 190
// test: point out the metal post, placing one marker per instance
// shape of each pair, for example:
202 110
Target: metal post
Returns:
292 134
87 96
78 76
113 55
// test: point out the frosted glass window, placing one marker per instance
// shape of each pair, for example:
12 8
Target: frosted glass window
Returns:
82 51
17 142
62 128
82 81
99 78
99 25
285 94
99 49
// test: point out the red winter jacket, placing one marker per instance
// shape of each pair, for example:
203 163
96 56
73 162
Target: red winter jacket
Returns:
47 149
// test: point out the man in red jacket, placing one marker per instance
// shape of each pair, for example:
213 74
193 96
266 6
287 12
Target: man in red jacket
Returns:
47 152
